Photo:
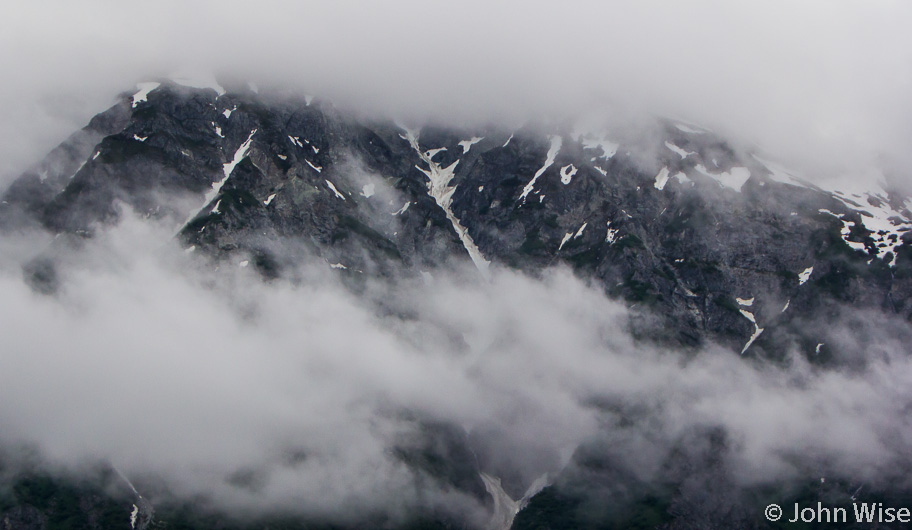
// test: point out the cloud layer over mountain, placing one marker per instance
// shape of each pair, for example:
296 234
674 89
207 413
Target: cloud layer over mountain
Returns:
297 396
824 85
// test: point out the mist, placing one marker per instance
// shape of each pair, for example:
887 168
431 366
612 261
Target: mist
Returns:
820 85
295 395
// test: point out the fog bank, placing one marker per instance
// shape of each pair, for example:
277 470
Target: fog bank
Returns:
264 396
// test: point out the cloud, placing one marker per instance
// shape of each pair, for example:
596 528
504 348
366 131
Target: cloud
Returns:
296 396
819 84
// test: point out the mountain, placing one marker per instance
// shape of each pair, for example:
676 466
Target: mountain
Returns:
689 231
705 241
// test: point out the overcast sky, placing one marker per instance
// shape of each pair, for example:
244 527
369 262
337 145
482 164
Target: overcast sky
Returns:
825 84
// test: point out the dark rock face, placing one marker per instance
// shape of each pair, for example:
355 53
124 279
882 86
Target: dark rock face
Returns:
24 518
33 501
685 234
712 243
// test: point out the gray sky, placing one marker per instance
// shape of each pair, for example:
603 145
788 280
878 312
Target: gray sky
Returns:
820 83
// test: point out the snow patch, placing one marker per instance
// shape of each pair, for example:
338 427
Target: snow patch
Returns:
566 238
580 231
661 179
611 237
608 148
600 170
333 188
227 168
431 153
143 94
368 190
556 142
133 515
757 329
748 315
269 199
682 178
439 188
296 141
846 231
567 173
745 301
337 266
239 155
804 276
505 508
885 223
779 173
733 179
140 138
243 264
508 141
866 194
467 144
318 169
682 153
403 209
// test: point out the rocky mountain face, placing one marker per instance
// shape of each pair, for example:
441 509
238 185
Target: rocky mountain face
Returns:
710 243
722 243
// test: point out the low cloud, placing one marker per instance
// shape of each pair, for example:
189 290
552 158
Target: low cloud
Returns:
295 396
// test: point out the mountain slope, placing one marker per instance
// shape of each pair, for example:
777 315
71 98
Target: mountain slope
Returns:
681 223
706 243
